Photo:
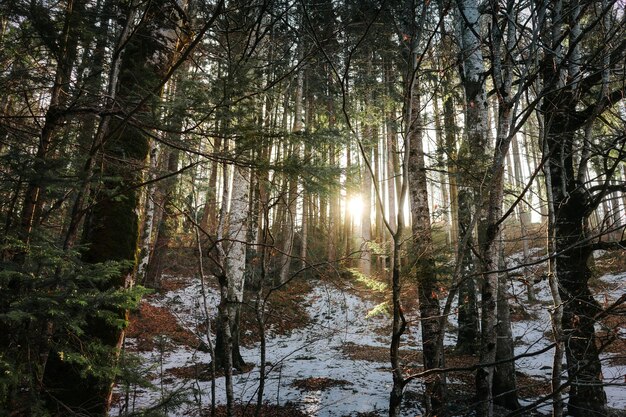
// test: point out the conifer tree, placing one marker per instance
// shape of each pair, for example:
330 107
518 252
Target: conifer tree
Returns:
147 59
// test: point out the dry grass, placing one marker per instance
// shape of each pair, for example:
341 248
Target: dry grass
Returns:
618 360
267 410
319 384
174 283
530 386
377 354
202 372
457 360
150 322
612 342
284 313
613 327
513 239
609 263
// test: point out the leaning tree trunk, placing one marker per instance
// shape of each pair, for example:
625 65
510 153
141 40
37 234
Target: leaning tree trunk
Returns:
113 224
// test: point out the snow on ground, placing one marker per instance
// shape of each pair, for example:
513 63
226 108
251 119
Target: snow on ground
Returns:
535 334
339 317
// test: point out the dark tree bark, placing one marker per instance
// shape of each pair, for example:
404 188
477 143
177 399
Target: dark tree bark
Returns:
567 89
113 224
586 396
469 326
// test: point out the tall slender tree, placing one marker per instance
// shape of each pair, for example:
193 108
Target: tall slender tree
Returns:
472 163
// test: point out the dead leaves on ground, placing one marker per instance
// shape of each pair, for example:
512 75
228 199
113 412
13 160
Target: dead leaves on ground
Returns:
267 410
319 384
203 372
378 353
152 325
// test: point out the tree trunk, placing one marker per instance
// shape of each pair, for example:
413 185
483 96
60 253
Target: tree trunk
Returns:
586 396
496 340
166 224
504 377
112 232
150 217
490 288
427 284
467 340
210 212
441 147
334 215
348 221
524 215
101 135
292 193
378 210
233 263
473 161
557 315
165 192
571 208
399 322
365 256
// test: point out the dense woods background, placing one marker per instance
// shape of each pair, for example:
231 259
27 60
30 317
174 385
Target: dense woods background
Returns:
265 143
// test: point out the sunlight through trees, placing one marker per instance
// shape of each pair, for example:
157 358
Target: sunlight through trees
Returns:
265 192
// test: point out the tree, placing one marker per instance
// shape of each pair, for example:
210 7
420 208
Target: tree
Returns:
473 161
64 49
496 341
572 103
423 247
147 61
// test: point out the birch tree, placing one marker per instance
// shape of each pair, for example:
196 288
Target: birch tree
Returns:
473 161
493 334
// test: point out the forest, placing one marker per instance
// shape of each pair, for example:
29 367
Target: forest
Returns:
313 208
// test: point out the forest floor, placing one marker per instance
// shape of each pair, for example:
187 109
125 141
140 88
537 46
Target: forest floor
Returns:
327 349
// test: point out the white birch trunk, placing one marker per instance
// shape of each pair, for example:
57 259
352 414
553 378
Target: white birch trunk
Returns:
148 219
236 236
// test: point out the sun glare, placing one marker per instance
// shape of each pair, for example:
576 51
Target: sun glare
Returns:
355 206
